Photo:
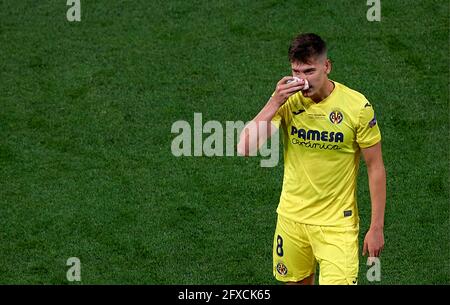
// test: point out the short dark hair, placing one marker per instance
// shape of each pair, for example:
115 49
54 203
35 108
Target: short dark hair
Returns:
306 46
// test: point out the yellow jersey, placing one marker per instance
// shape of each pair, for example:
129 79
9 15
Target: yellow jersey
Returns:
322 144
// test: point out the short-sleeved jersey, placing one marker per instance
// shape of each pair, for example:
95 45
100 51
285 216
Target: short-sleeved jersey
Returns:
322 144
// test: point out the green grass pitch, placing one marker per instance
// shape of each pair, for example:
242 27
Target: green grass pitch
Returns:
86 110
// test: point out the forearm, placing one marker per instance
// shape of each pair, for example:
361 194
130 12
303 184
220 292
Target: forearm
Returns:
254 135
268 112
261 128
377 185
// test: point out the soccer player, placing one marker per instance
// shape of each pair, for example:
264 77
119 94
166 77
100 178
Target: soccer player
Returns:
326 126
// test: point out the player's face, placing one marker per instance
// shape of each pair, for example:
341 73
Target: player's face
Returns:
315 71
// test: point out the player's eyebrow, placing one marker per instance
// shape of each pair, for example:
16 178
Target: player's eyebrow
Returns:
305 70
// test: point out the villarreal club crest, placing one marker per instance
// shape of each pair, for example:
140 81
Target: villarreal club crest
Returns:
336 117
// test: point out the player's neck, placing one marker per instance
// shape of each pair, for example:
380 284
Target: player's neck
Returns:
324 92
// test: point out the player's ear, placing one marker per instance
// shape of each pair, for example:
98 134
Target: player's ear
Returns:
327 66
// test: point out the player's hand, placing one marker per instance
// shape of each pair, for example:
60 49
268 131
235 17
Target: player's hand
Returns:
284 90
373 242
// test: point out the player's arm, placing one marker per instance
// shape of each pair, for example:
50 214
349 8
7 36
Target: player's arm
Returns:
374 240
257 131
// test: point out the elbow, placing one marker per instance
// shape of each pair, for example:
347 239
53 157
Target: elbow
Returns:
376 170
375 165
242 149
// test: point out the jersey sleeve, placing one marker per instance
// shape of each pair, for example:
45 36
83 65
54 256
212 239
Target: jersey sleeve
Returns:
367 132
277 118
